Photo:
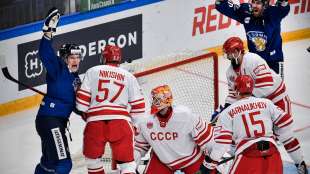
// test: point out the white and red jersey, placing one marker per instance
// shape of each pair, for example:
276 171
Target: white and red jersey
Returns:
179 142
250 120
109 92
268 84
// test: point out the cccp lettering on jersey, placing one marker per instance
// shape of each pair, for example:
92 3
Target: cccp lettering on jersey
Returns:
163 135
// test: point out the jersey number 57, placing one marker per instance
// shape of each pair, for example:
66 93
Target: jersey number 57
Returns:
105 91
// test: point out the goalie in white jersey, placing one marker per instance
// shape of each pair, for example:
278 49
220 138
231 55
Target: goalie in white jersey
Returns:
176 135
253 124
111 97
267 84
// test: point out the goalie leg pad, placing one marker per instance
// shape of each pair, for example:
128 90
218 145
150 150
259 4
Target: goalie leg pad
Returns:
94 165
129 167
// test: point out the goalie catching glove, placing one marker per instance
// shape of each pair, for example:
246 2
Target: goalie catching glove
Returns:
51 21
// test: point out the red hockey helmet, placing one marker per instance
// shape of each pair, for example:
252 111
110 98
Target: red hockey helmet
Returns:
232 44
111 54
161 98
244 84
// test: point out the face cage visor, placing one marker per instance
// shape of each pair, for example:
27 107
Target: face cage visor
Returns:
232 56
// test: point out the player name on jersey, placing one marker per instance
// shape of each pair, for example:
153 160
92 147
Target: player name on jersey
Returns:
246 107
111 74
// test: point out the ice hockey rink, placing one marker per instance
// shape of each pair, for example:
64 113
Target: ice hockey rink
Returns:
20 145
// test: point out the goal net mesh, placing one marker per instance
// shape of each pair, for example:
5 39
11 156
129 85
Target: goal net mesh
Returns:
193 78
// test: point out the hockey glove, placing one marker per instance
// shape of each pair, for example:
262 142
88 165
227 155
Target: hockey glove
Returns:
302 168
214 116
210 164
283 3
218 2
51 21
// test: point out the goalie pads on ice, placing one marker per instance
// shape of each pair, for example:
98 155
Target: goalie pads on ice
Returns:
51 20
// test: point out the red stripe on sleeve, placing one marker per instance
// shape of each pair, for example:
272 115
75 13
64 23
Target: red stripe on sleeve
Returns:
291 145
83 97
283 119
263 80
138 106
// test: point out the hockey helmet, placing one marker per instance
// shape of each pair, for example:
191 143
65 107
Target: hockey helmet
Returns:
111 54
70 49
244 84
233 43
230 46
161 98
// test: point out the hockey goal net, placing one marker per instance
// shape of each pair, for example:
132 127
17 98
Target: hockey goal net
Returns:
193 78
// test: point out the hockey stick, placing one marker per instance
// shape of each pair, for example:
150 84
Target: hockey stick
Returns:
7 75
225 160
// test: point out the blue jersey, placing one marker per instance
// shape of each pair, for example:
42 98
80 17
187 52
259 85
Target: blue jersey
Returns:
59 100
263 33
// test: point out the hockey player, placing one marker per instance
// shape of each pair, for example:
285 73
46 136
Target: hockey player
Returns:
267 84
111 98
253 124
62 80
176 135
262 24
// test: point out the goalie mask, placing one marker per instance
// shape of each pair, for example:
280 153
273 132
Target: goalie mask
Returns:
111 54
72 55
161 98
244 85
233 48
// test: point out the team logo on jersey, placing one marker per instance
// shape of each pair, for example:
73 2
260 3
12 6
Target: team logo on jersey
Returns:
149 125
33 66
259 39
76 83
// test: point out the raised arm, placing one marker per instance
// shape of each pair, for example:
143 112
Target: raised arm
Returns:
46 52
228 8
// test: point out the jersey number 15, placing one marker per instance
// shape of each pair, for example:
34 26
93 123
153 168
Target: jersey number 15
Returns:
249 121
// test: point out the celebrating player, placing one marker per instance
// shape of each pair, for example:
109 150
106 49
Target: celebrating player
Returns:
267 84
253 124
176 135
62 80
111 97
262 24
